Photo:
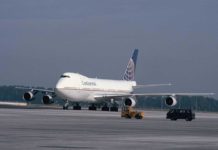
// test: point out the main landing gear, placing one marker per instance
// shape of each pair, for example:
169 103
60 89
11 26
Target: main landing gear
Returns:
114 109
77 107
106 108
93 107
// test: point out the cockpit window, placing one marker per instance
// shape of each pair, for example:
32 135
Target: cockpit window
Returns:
65 76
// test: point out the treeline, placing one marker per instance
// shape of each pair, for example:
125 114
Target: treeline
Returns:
10 93
197 103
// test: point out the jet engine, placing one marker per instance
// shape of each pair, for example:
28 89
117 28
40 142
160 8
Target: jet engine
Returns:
171 101
47 99
130 102
28 96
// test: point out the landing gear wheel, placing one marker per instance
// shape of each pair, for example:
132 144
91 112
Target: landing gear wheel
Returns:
114 109
77 107
65 107
93 107
105 108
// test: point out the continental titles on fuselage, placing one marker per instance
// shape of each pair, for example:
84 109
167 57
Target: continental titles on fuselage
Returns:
88 83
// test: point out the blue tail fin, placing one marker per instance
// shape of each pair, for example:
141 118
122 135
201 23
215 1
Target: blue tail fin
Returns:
129 74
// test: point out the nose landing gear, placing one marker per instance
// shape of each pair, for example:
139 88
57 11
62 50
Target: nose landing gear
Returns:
66 106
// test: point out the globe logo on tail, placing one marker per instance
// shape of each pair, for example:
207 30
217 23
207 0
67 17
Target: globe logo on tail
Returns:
130 71
129 74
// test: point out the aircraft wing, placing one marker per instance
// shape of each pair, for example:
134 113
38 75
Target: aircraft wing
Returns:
108 96
151 85
36 89
174 94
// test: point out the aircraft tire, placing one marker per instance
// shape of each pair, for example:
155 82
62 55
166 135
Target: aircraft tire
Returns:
92 108
77 107
105 108
65 107
114 109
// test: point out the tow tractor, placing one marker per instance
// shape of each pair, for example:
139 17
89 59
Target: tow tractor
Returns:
129 112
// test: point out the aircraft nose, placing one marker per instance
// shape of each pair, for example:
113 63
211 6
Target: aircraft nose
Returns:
59 85
58 88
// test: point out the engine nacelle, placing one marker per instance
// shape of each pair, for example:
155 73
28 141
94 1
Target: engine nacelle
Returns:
47 99
28 96
171 101
130 102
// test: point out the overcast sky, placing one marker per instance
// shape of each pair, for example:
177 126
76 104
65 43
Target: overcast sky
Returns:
178 41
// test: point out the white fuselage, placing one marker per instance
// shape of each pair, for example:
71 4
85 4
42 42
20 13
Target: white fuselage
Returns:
76 87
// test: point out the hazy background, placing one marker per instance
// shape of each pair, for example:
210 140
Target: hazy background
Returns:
178 41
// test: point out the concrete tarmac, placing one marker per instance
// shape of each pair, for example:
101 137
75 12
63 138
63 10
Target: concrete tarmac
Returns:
41 129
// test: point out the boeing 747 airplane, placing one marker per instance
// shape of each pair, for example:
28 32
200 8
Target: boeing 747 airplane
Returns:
76 88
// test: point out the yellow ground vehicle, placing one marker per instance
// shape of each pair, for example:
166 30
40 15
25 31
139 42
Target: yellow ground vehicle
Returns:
129 112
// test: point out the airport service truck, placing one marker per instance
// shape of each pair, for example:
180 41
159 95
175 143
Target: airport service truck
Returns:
129 112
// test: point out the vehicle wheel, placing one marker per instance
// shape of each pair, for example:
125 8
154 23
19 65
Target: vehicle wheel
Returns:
128 116
138 117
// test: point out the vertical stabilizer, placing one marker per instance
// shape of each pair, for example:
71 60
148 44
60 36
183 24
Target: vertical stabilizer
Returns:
129 74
